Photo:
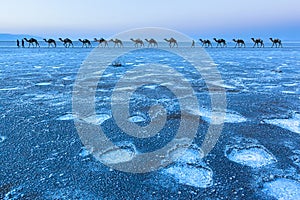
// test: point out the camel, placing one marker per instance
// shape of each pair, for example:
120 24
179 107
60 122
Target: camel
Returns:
67 42
85 43
101 41
32 42
239 43
257 42
276 42
205 43
172 41
137 42
220 42
117 42
152 43
50 42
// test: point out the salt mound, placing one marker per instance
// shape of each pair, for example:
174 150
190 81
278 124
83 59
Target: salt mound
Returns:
190 175
252 156
291 124
283 188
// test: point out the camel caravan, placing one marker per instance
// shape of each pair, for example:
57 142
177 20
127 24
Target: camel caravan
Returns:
152 43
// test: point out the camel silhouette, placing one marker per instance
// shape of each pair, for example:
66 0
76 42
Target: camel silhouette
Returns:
257 42
239 43
51 42
101 41
117 42
276 42
220 42
152 43
172 41
85 43
67 42
137 42
206 43
32 42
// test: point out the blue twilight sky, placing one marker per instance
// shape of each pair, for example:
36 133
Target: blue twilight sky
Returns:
196 18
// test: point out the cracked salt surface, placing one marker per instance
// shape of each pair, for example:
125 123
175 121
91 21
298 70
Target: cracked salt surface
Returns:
251 155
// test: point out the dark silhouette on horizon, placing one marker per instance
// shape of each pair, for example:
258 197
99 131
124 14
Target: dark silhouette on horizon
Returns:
85 43
67 42
171 41
117 42
220 42
32 42
239 43
18 43
50 42
101 41
257 42
152 43
23 43
205 43
137 42
276 42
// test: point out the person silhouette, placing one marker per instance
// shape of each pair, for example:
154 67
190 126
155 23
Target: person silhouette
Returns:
18 43
23 43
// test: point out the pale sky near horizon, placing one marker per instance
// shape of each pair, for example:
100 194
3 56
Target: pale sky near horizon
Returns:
228 18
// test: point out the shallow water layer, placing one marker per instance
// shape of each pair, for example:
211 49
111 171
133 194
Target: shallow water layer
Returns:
42 156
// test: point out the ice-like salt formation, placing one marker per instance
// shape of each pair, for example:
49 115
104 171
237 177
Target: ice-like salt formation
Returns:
252 156
189 168
97 119
2 138
66 117
283 188
43 84
291 124
123 152
136 118
190 175
230 116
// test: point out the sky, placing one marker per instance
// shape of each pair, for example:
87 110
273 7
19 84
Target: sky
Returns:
196 18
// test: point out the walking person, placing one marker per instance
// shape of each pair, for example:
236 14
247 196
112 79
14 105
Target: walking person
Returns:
23 43
18 43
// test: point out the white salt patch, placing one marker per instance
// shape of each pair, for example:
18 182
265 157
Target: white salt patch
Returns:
136 119
9 89
288 92
97 119
117 156
291 124
66 117
252 156
123 152
43 84
2 138
282 188
84 152
230 116
193 176
67 78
